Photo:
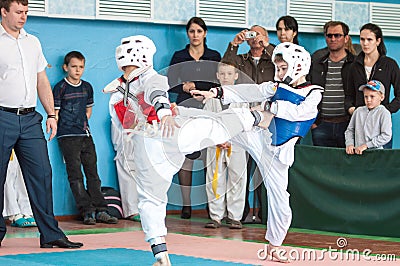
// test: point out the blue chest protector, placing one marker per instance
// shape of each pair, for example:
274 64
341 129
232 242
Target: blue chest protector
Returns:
283 130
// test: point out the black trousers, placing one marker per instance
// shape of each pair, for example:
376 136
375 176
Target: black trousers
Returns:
24 133
80 152
257 192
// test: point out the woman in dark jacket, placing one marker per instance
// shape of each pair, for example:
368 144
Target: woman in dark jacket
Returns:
194 67
372 63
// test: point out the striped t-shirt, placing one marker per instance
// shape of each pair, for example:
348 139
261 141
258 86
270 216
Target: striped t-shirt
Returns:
333 97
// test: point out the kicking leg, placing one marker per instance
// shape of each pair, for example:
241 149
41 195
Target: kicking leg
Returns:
154 169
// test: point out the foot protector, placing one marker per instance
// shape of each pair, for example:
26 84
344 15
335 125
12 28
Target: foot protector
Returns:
159 248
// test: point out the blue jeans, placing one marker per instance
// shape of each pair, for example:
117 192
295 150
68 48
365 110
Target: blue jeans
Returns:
329 134
389 145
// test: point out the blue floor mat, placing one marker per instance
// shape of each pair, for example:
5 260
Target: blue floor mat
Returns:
99 257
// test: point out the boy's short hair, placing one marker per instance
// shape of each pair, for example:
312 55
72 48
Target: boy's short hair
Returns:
228 63
73 54
374 85
279 58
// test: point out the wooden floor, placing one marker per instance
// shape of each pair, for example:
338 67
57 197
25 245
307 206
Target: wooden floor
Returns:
178 229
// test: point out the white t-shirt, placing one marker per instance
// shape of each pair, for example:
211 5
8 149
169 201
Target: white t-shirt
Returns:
21 60
256 59
368 71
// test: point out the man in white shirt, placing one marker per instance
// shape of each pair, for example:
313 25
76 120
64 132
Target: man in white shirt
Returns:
22 78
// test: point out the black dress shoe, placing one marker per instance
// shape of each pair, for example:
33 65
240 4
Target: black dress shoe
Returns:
62 243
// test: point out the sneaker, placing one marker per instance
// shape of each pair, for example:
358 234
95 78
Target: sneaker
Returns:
88 218
31 220
104 217
19 221
235 224
227 220
213 224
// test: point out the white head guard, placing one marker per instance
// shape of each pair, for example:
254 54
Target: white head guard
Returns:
297 58
135 50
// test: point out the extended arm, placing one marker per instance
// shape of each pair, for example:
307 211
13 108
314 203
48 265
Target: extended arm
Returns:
248 92
240 93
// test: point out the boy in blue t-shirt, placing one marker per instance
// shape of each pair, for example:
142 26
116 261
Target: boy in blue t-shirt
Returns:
73 101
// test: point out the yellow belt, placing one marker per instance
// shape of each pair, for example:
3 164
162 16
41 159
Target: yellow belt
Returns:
214 182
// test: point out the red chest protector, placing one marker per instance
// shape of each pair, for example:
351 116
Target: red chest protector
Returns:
128 119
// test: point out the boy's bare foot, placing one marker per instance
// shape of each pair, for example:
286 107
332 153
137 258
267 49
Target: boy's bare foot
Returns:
277 253
266 120
164 261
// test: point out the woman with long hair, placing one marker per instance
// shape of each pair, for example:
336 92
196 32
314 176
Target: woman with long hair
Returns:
193 67
373 64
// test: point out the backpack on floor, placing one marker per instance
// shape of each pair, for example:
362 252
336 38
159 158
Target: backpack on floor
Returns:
113 199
